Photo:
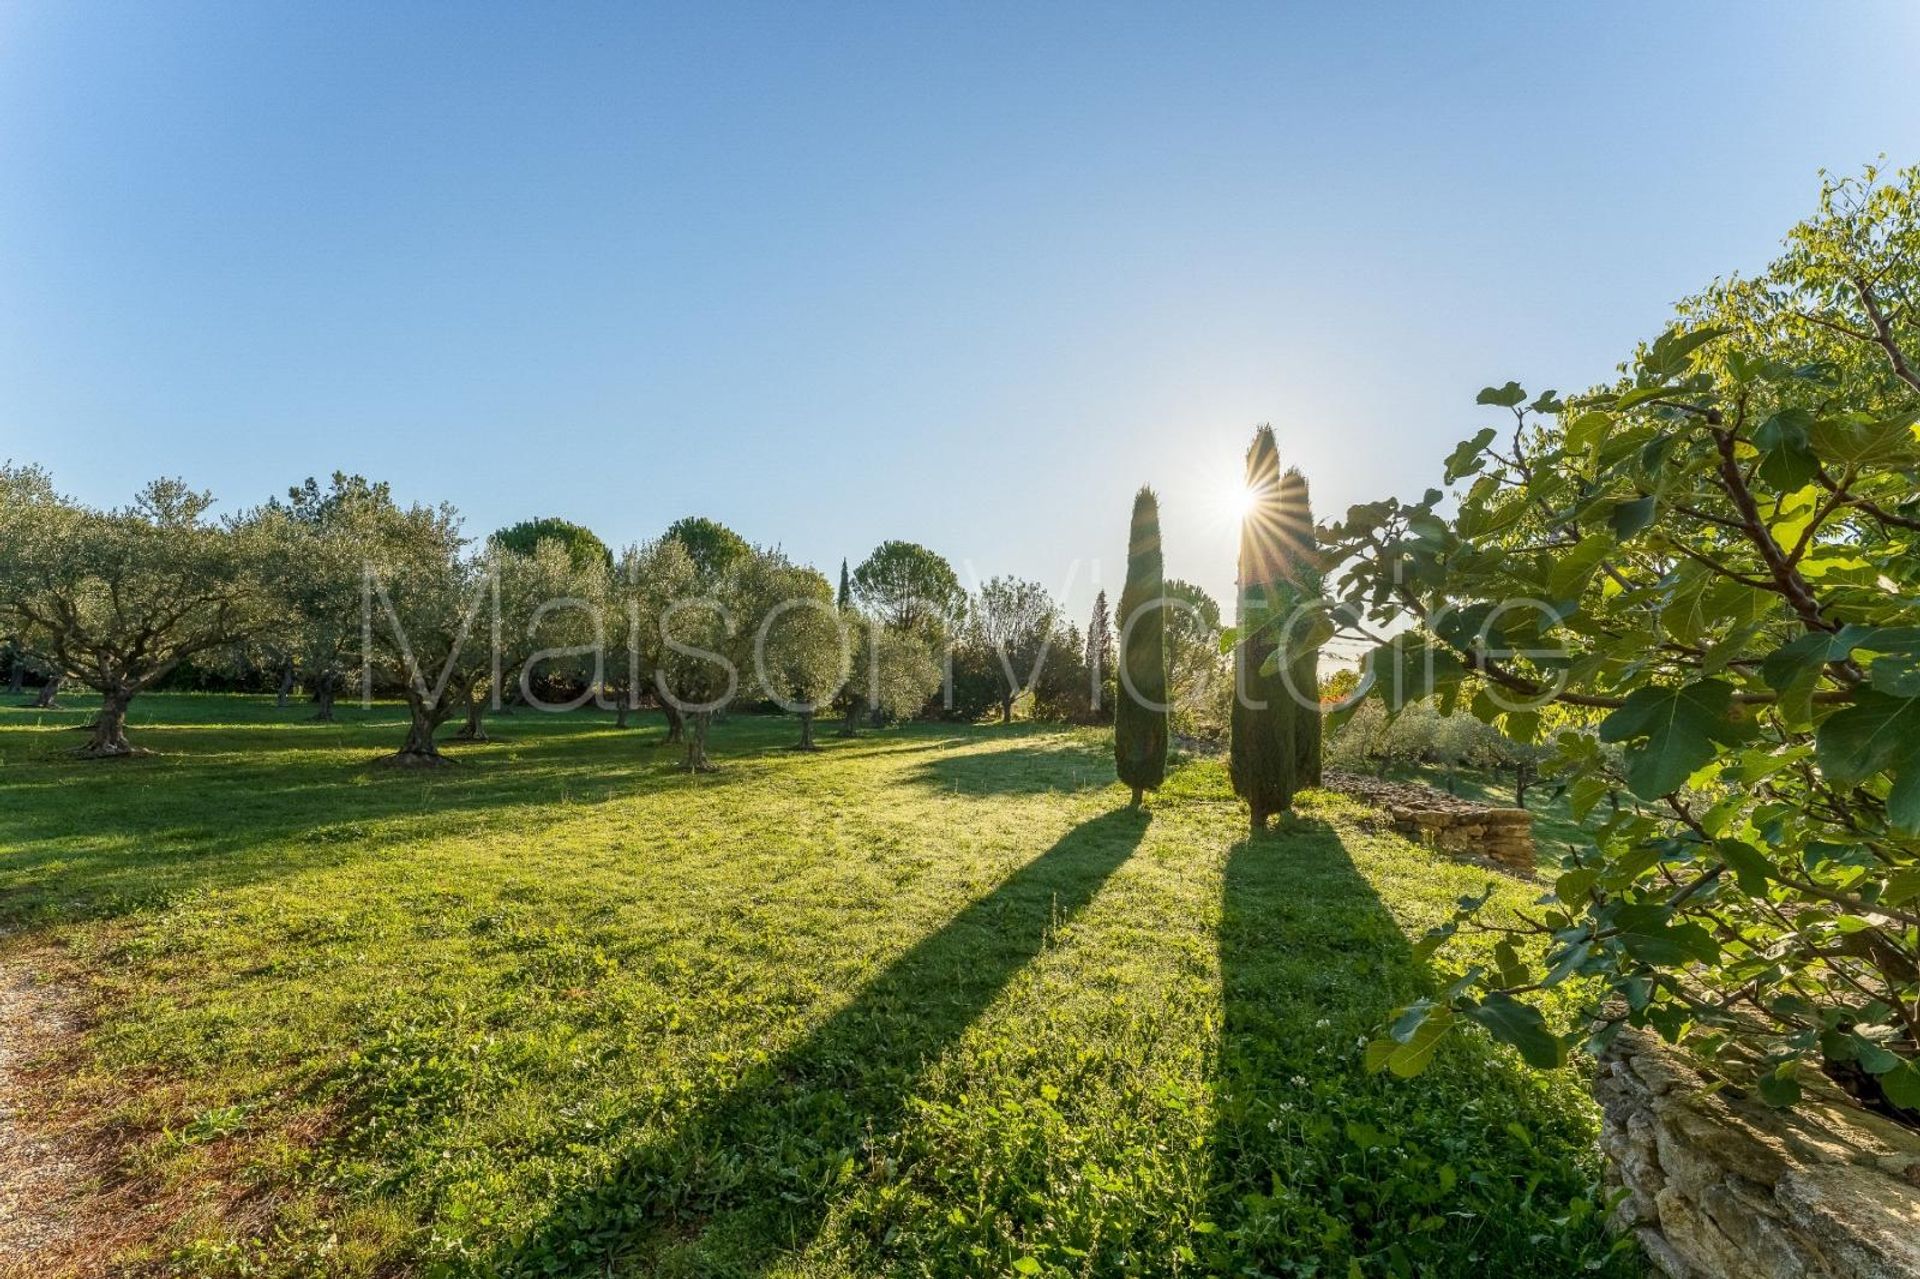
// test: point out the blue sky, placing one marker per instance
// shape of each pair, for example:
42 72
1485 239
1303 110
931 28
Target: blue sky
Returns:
965 275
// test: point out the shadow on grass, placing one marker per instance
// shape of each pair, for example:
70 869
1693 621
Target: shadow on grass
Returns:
749 1178
1019 767
1471 1168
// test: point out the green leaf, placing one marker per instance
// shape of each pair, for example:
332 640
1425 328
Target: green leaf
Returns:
1505 396
1571 888
1682 727
1584 794
1877 733
1873 1059
1902 887
1787 459
1650 936
1465 459
1413 1056
1587 430
1640 395
1858 440
1793 671
1512 1022
1669 356
1632 517
1377 1054
1408 668
1779 1086
1902 1085
1748 864
1569 574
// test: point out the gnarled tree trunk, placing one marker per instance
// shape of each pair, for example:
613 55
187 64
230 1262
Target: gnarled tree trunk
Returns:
696 735
425 720
107 738
17 672
851 724
49 691
676 723
475 729
806 742
1006 710
286 682
325 685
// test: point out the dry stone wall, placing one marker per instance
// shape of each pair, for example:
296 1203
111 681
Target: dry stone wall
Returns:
1445 822
1721 1186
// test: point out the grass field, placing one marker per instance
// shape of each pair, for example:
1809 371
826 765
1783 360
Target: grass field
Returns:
928 1002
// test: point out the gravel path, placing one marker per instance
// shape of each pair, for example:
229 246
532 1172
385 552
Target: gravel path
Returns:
40 1181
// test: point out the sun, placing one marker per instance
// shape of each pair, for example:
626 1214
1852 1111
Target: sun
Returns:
1239 500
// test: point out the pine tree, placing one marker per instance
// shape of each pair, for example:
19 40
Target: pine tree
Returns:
1099 654
1140 702
1303 585
1261 759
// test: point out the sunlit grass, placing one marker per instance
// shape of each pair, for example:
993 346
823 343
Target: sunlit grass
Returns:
927 1002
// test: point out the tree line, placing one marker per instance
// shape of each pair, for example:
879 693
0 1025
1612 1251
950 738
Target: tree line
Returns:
343 590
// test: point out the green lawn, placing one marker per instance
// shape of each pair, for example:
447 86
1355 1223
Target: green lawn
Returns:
929 1002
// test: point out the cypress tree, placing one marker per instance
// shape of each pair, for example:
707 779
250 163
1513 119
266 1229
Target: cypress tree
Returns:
1262 754
1302 568
1099 655
1140 701
846 588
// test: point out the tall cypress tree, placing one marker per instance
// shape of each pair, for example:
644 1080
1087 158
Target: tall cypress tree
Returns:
1140 701
846 588
1262 754
1099 655
1303 586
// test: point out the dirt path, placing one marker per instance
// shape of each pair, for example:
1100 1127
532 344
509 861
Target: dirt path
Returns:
42 1182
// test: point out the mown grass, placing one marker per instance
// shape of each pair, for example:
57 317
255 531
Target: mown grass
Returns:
928 1002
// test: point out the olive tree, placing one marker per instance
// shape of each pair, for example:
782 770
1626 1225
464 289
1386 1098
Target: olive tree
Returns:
441 622
117 599
349 526
1196 670
894 674
645 580
802 652
1015 620
707 643
548 609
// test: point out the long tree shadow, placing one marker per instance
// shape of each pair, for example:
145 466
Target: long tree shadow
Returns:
1318 1163
1019 767
750 1177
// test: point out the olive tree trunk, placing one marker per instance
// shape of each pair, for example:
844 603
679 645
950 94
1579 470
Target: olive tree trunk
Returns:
806 742
17 674
107 737
475 729
696 736
286 683
325 686
851 724
49 691
1006 710
424 720
676 723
